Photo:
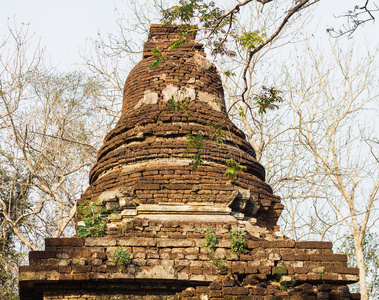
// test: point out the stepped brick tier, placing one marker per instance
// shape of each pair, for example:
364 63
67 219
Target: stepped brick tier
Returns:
170 260
160 210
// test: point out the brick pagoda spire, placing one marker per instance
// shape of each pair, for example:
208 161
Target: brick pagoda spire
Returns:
142 168
181 234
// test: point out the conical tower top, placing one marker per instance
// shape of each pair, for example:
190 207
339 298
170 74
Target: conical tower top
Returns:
173 110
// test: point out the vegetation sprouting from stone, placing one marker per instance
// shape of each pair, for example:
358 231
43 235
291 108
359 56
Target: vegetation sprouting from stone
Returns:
320 272
94 225
218 133
234 167
218 262
284 284
176 105
279 272
238 242
124 228
210 239
210 247
122 257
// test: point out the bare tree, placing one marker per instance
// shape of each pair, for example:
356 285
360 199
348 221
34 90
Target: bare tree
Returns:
47 140
333 105
356 18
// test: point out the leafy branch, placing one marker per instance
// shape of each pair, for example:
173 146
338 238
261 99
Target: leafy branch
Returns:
218 134
183 36
195 142
251 39
234 167
268 99
158 57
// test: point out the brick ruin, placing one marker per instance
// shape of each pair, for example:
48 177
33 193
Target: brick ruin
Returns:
160 210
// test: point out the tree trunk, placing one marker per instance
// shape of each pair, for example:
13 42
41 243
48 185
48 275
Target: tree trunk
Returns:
362 271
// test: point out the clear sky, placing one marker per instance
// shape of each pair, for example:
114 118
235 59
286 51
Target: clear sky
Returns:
63 26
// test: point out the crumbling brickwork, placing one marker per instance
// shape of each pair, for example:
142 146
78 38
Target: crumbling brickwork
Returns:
158 210
145 154
175 254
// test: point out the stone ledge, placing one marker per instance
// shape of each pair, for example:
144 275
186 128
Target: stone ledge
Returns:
179 209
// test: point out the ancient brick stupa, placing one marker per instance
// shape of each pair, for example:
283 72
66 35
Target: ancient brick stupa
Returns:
182 233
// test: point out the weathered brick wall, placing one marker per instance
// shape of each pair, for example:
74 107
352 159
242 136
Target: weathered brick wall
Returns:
175 254
229 289
111 292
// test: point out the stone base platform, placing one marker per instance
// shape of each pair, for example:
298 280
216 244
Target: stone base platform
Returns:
170 260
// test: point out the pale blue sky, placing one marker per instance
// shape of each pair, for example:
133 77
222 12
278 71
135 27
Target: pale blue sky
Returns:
64 25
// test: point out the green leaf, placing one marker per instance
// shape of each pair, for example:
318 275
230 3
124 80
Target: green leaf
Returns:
251 39
158 57
195 142
234 167
268 99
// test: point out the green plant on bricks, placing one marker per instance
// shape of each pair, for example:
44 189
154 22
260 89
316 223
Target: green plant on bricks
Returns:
279 272
284 284
320 271
93 226
210 239
218 262
122 258
238 243
234 167
210 247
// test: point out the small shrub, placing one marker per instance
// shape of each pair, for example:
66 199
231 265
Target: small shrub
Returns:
158 57
210 239
238 243
180 105
279 272
195 142
94 226
126 227
286 285
218 262
320 271
210 246
122 257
